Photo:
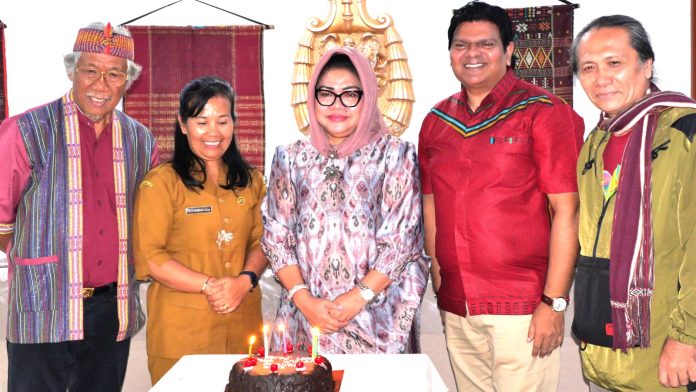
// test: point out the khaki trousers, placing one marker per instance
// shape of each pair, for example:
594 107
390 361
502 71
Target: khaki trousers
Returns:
491 353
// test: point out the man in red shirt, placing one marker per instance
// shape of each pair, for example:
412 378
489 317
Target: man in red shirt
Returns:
500 207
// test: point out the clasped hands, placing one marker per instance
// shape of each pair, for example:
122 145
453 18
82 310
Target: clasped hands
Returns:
329 316
225 294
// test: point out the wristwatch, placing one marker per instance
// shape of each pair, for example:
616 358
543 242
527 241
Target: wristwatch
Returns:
558 304
252 276
366 293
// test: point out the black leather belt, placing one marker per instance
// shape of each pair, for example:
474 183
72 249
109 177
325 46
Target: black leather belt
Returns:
88 292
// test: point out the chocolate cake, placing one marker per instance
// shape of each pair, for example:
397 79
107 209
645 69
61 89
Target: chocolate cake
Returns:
281 374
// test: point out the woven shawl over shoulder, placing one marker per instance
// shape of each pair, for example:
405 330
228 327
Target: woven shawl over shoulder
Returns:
631 270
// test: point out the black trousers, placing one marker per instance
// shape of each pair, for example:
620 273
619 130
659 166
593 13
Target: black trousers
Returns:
96 363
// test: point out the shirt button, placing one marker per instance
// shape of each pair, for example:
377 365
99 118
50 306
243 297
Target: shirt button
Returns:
99 203
226 220
101 231
228 264
221 200
99 262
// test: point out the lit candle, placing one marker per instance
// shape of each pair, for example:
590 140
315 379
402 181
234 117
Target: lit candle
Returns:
315 342
252 339
265 339
281 327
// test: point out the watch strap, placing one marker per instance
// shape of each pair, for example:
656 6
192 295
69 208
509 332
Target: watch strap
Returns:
253 277
549 301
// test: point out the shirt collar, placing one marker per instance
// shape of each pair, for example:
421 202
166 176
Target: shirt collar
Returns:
89 124
498 93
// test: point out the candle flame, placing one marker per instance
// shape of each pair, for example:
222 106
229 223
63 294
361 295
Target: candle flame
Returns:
265 328
281 327
252 339
315 331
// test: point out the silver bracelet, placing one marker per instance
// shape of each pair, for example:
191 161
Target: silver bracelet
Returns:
205 285
295 289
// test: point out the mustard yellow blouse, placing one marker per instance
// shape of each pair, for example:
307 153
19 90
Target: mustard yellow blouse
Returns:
209 231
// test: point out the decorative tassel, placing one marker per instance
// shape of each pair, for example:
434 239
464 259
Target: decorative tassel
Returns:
620 329
108 33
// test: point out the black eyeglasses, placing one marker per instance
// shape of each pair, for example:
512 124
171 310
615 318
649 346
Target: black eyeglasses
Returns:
349 98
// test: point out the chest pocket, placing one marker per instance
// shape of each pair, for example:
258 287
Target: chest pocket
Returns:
509 143
505 157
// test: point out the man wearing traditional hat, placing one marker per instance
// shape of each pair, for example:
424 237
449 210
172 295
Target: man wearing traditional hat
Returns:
67 182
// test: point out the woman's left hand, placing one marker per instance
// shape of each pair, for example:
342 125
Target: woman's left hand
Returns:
352 305
227 293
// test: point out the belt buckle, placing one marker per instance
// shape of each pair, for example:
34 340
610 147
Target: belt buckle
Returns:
87 292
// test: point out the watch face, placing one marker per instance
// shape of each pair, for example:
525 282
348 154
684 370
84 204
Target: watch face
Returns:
367 294
559 304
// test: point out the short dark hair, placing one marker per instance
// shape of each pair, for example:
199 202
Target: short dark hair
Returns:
192 99
339 61
475 11
640 41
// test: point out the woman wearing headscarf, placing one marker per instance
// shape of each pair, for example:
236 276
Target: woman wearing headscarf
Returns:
196 235
342 221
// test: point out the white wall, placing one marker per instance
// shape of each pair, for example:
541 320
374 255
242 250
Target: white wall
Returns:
36 41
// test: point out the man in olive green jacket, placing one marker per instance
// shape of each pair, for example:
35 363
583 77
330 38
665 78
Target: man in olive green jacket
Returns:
635 283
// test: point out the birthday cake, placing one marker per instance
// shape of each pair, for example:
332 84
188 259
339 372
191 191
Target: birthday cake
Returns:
288 373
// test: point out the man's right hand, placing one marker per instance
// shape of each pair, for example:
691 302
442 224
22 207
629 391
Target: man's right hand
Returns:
677 364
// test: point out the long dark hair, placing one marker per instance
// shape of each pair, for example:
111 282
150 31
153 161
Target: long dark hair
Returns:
192 100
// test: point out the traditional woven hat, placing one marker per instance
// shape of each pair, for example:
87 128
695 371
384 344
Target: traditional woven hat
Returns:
107 42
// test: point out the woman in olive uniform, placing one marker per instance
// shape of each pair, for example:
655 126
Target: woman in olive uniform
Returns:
196 235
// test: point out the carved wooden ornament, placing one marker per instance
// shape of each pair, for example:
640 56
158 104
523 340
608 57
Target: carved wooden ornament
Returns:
349 25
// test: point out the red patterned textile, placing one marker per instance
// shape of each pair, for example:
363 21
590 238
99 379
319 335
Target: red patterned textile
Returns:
171 56
3 76
542 46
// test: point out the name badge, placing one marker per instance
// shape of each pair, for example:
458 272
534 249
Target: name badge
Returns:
199 210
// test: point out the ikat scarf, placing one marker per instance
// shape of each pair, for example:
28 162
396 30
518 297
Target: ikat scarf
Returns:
631 270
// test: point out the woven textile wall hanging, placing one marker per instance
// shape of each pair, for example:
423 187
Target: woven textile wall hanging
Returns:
543 36
171 56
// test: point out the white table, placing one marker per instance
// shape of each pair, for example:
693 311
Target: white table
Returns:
361 373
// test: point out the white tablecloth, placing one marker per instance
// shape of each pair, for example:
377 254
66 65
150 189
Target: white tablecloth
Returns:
361 373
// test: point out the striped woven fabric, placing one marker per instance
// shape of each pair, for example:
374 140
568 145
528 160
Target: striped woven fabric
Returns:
107 42
173 55
47 243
